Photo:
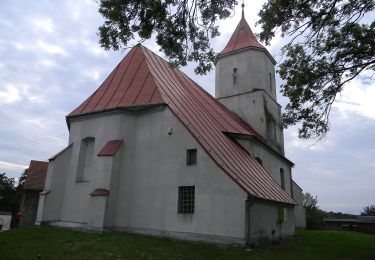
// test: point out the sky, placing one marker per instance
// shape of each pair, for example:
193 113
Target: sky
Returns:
50 62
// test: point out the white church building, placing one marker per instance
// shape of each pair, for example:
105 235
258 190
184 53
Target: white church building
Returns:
151 152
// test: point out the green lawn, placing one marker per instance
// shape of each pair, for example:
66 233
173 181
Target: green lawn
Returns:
50 243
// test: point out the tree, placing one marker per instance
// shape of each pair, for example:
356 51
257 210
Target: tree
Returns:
314 216
182 28
368 211
7 194
10 192
331 43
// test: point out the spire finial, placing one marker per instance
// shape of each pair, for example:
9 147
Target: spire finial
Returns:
243 7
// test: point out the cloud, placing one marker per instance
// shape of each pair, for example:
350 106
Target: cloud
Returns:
357 97
43 24
9 95
13 169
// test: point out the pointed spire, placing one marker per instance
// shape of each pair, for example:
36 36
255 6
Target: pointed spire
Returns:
242 36
243 12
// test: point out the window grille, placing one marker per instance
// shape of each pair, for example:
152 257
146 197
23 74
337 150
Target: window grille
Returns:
186 199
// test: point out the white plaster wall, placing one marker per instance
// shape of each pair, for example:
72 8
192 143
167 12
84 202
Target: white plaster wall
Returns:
252 96
154 166
252 107
253 68
78 206
50 205
271 162
299 211
265 225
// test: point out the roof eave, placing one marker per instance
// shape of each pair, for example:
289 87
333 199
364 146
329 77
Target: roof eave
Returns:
272 202
221 55
137 108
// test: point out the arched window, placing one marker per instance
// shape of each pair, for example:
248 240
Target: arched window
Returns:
282 178
86 154
259 160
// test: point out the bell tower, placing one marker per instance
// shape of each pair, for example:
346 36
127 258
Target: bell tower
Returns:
245 84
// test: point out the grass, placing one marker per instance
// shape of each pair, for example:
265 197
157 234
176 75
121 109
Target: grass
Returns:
51 243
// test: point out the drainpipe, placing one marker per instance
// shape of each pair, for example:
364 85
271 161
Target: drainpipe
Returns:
248 203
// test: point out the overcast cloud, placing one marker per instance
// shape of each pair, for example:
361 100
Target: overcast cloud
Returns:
50 62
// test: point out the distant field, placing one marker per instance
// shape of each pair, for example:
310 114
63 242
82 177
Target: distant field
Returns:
50 243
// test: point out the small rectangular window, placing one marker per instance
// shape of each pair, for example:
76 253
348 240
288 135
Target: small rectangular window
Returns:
186 199
282 179
282 215
191 157
234 74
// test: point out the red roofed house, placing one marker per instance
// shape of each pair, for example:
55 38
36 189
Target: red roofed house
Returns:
33 185
151 152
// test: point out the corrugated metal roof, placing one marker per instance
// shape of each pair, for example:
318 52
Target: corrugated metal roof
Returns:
242 37
206 119
36 175
129 84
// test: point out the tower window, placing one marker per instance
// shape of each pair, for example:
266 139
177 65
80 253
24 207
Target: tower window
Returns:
186 199
234 74
282 178
191 156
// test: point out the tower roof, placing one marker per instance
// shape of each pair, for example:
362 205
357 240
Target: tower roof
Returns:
242 37
143 78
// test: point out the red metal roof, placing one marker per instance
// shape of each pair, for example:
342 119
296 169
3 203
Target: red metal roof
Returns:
129 84
36 175
110 148
206 119
242 37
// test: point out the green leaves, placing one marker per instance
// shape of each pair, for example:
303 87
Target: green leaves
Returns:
182 28
330 45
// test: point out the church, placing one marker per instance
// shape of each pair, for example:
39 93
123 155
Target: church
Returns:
151 152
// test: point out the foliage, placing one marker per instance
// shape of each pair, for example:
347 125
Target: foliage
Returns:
314 216
368 211
10 192
49 243
330 45
182 28
332 214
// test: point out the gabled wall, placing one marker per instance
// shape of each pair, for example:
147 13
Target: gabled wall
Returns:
154 166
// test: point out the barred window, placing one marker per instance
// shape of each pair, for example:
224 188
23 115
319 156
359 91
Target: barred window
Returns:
191 156
186 199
